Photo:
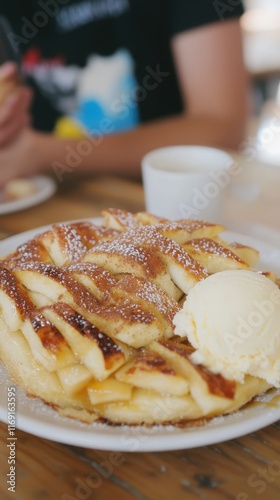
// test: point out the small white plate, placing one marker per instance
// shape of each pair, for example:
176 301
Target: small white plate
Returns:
44 186
33 416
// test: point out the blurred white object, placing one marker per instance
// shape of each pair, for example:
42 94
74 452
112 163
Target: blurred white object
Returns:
268 135
261 29
261 4
187 182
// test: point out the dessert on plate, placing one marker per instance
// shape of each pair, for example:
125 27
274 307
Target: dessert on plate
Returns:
139 320
17 189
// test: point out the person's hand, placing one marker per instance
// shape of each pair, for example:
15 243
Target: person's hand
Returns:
15 100
21 157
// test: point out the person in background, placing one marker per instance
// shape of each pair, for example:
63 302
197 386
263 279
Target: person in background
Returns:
113 80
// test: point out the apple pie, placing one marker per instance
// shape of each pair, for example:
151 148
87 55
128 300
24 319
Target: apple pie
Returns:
86 317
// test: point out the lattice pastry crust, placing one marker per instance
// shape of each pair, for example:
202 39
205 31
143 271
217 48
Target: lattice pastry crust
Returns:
86 318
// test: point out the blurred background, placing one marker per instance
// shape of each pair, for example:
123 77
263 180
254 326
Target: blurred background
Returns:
261 32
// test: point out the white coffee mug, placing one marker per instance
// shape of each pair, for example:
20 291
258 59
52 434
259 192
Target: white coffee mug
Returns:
186 182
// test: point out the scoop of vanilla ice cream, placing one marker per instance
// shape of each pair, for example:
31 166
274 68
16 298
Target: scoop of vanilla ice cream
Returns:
232 319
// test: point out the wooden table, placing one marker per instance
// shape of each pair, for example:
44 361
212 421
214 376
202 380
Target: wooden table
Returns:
242 469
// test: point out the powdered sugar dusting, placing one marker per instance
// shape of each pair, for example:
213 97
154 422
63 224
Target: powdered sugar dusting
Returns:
70 240
209 246
125 219
150 237
150 293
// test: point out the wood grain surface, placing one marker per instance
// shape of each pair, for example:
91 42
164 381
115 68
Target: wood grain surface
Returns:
241 469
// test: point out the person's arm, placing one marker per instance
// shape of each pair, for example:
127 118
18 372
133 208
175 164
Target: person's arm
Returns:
213 84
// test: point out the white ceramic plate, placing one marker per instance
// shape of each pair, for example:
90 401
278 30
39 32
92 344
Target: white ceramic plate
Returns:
44 186
38 419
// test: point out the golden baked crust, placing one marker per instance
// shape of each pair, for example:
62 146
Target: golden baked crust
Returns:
87 319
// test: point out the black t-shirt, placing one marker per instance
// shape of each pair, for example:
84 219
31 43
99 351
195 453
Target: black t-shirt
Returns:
105 63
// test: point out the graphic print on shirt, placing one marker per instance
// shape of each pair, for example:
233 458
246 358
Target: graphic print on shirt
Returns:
106 94
81 13
97 99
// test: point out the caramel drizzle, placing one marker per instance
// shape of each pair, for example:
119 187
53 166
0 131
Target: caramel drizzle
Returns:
217 384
